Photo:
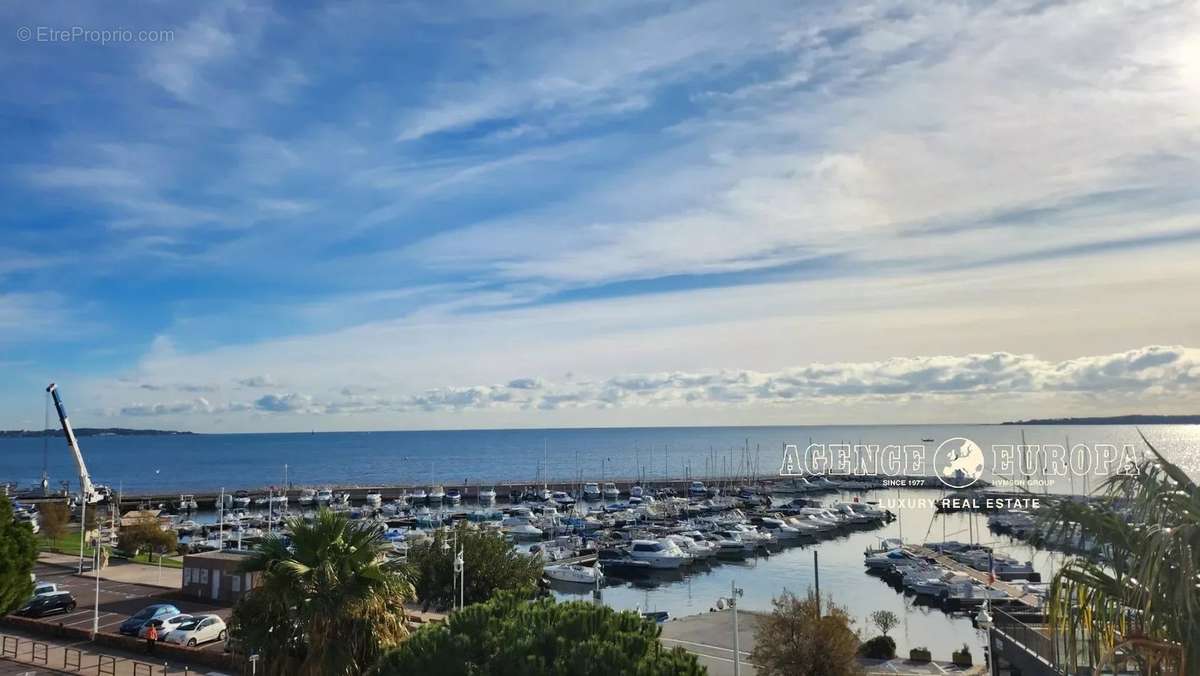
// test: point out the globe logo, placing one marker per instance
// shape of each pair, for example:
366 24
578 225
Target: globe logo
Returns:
958 462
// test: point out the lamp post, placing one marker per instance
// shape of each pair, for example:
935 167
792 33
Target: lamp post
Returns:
459 567
734 593
82 527
96 604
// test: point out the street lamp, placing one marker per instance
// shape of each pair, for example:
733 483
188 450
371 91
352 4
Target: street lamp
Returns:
731 601
96 604
459 567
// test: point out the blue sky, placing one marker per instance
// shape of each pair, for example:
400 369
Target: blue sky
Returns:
353 216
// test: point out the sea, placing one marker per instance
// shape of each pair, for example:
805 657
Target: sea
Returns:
204 462
208 462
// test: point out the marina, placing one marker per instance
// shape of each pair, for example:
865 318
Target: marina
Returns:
669 547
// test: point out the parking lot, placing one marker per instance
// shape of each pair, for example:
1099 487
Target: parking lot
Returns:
118 600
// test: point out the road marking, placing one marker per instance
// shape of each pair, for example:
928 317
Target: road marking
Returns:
704 645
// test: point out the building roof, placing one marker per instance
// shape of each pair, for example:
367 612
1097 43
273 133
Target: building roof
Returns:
219 555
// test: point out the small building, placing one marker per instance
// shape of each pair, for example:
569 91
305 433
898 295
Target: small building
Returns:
136 516
215 576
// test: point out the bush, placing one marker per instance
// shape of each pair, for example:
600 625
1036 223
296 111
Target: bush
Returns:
962 657
146 535
879 648
796 639
509 635
920 654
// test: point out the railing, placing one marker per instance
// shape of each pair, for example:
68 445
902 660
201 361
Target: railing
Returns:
72 659
28 651
1031 637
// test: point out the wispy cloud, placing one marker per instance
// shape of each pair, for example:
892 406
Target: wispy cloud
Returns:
1113 379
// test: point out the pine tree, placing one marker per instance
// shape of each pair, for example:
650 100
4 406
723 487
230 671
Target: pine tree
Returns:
18 553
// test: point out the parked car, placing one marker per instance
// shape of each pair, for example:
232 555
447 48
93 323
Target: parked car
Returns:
54 602
43 588
201 629
133 625
164 625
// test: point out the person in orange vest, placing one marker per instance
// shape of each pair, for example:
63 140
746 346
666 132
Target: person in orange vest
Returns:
151 637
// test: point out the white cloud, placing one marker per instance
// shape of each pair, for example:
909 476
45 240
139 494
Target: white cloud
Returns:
1120 379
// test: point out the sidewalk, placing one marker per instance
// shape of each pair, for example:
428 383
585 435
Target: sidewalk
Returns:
62 656
120 570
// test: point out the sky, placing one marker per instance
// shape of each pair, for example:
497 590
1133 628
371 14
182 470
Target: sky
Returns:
243 216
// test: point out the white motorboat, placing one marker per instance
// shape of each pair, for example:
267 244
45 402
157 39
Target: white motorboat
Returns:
730 544
697 490
855 517
885 545
437 494
751 534
241 499
636 491
821 517
694 545
374 499
783 532
573 573
418 496
796 486
591 492
324 496
188 503
487 494
523 531
453 496
659 553
307 497
611 492
896 558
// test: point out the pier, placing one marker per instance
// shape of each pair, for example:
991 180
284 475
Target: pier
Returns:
1016 594
207 499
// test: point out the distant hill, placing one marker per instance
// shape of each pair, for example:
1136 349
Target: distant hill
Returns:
1115 420
90 432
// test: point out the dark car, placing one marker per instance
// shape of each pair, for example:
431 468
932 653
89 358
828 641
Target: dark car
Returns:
133 625
54 602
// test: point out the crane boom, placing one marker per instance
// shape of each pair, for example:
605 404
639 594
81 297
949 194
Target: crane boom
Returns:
87 490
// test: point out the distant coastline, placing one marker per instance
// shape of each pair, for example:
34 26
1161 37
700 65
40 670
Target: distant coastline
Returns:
1114 420
92 432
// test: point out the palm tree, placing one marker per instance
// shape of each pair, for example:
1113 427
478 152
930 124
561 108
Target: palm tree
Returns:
328 603
1140 589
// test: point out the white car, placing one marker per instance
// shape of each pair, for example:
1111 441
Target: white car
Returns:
165 625
41 588
200 629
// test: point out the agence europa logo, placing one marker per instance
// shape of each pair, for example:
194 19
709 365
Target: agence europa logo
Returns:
960 462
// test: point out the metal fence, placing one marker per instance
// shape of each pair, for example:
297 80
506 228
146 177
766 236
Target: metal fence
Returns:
1033 638
29 651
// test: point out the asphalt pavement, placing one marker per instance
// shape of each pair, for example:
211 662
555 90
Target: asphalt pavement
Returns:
118 600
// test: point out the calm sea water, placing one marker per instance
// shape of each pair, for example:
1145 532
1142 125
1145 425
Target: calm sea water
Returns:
212 461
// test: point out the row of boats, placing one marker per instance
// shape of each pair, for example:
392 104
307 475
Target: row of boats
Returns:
922 576
656 544
588 492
